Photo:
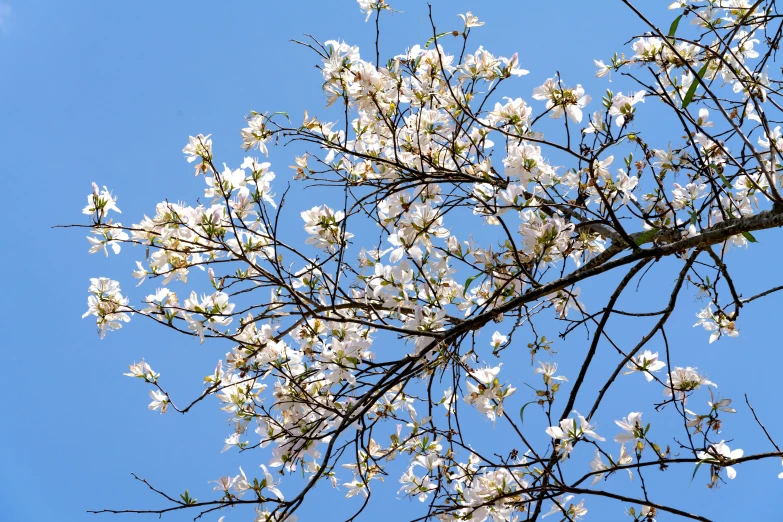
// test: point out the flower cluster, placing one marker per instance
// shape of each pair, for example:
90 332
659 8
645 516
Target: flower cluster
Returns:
464 227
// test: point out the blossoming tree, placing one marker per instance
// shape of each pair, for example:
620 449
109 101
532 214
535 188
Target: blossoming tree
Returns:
463 226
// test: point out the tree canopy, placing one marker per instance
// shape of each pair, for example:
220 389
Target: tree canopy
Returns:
463 211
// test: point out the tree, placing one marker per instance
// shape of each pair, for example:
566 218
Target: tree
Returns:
358 355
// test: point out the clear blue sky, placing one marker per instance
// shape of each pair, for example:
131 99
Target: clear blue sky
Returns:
109 92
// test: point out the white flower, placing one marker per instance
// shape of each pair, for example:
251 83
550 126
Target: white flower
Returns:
224 484
719 324
487 394
631 426
603 69
198 147
702 120
159 401
721 405
597 464
548 372
497 340
687 195
107 304
355 487
369 6
684 380
215 310
107 236
231 441
560 100
325 228
718 453
569 431
256 133
572 512
646 362
270 484
415 486
470 20
646 513
142 370
622 109
565 300
595 124
625 185
100 202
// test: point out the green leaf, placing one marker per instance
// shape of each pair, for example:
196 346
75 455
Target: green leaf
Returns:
725 181
432 40
692 89
646 237
467 283
522 411
282 113
673 27
697 469
749 237
187 499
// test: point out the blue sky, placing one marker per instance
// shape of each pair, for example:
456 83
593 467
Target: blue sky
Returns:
109 92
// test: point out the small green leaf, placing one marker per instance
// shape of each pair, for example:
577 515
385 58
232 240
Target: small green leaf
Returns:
467 283
187 499
692 89
283 113
646 237
522 411
673 27
695 470
432 40
749 237
725 181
